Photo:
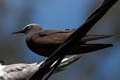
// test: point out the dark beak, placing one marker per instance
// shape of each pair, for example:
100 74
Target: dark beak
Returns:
21 31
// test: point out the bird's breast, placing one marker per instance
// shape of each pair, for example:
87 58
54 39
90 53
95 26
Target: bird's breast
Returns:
41 49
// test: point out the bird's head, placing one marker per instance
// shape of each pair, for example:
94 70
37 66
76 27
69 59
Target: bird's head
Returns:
29 28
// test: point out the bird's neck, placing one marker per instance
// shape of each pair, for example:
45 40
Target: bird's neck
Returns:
29 34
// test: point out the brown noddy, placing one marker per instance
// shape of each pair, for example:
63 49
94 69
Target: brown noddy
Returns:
45 42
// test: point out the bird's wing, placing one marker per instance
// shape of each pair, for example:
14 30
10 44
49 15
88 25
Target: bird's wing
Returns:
56 37
50 37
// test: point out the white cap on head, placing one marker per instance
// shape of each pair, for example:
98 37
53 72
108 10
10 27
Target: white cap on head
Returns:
35 26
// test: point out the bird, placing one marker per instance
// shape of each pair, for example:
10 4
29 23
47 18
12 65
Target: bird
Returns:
22 71
45 42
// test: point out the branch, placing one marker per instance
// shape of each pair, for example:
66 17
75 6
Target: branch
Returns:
22 71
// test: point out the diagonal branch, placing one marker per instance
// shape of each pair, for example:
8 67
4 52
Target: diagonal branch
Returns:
73 39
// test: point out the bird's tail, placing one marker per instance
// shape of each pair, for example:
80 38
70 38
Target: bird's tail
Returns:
86 48
94 37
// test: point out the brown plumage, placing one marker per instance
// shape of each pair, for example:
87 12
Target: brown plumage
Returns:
45 42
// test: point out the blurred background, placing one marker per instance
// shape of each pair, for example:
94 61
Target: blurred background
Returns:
61 14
